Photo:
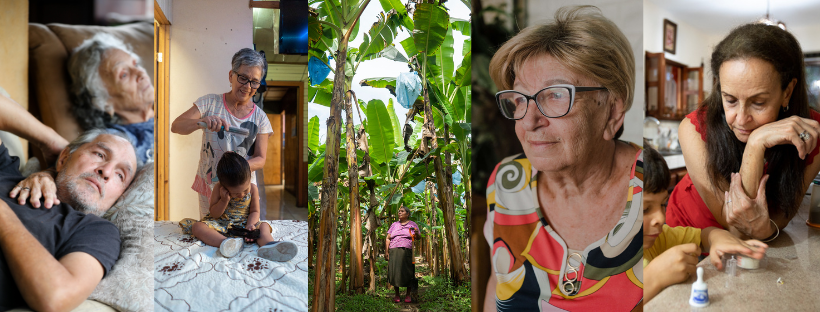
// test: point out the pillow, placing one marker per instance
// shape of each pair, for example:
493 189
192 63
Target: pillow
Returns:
129 285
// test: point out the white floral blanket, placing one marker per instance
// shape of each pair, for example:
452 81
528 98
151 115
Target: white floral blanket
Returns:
191 276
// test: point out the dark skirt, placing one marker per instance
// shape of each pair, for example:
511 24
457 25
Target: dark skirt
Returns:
400 268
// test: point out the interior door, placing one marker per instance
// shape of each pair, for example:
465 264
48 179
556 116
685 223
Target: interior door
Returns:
273 161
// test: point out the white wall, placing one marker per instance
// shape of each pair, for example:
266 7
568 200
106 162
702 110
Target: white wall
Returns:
204 36
809 37
627 15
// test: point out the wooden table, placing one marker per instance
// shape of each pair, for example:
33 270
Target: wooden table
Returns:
794 257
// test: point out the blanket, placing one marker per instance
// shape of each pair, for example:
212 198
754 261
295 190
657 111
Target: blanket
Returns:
191 276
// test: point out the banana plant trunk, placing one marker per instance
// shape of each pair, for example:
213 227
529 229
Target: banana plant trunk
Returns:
445 194
324 285
371 219
345 240
356 264
434 237
311 240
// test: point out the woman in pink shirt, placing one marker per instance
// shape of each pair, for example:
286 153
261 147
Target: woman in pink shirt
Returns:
400 268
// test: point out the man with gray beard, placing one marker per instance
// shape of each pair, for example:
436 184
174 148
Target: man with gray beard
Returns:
52 259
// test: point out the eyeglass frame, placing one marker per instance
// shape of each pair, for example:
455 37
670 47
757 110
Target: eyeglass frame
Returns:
249 81
572 89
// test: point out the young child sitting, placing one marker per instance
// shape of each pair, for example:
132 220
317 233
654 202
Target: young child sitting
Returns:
671 254
235 203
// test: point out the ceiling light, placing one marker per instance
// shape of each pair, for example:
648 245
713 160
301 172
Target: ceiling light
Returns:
769 21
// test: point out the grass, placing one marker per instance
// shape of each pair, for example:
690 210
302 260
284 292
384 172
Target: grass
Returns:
435 294
441 296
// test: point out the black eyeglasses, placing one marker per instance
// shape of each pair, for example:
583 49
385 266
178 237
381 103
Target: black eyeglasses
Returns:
244 80
553 101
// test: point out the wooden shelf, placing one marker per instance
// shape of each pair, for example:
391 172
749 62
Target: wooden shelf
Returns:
672 89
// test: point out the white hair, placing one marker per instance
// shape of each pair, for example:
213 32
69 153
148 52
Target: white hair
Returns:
248 57
87 89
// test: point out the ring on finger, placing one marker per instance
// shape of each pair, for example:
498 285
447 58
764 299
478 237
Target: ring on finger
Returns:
805 136
26 188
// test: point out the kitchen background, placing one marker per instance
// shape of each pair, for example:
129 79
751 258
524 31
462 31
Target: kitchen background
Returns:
677 82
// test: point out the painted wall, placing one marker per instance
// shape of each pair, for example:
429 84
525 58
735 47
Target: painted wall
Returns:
626 14
14 50
808 37
204 36
14 62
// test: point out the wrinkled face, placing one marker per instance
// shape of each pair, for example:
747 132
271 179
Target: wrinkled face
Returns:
556 143
751 94
239 191
93 177
654 216
129 87
244 92
402 213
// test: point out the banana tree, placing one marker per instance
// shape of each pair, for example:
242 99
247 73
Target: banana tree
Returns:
341 19
333 26
445 102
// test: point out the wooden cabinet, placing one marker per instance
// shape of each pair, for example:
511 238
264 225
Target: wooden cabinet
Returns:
672 89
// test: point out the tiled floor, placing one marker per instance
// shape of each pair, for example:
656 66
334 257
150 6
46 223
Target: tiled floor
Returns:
282 205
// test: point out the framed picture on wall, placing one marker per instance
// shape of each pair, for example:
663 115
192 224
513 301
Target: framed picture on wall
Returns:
670 36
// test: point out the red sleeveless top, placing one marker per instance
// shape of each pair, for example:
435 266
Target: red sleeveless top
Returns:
686 207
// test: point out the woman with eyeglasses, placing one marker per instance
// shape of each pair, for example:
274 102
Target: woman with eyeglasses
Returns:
565 216
221 115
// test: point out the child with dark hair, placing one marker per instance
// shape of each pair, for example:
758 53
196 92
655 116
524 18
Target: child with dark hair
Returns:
671 253
235 203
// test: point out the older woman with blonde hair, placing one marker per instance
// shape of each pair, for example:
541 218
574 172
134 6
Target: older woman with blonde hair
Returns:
565 216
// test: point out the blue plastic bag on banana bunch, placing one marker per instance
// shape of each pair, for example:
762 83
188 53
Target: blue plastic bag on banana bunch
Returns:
317 70
408 88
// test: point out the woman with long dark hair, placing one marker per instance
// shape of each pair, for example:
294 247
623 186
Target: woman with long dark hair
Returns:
751 147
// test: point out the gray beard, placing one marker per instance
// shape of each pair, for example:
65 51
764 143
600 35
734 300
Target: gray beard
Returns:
68 192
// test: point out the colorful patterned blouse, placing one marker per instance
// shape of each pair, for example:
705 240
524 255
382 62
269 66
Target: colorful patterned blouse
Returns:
534 269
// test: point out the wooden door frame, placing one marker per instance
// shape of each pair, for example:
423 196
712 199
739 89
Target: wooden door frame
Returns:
301 178
162 40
